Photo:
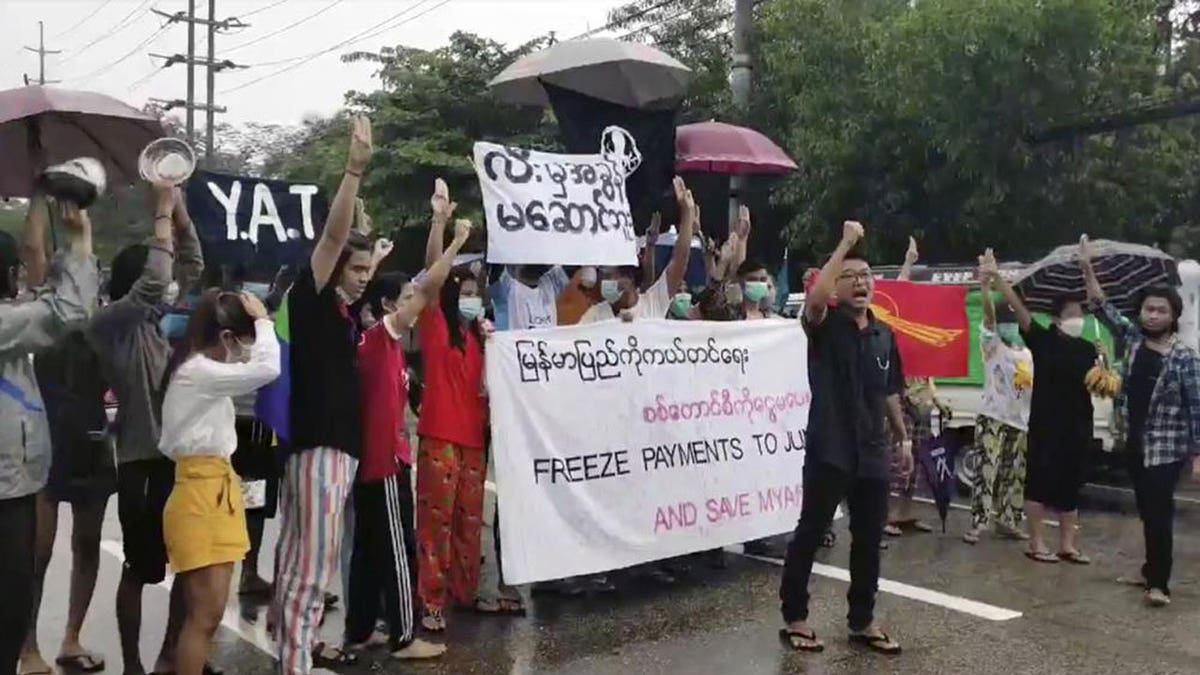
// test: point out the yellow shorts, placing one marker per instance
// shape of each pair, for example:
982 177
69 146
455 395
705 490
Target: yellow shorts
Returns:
204 522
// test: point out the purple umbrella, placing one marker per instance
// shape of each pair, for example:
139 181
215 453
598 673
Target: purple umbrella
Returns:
716 147
61 124
937 461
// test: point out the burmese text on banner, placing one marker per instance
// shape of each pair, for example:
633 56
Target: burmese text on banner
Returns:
622 443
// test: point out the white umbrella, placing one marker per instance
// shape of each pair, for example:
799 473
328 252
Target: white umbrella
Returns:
626 73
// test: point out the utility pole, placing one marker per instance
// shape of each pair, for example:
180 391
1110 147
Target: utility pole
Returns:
41 51
739 84
211 65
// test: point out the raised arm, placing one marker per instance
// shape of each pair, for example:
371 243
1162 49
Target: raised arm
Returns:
1095 293
816 302
33 241
442 209
156 273
189 259
649 273
989 269
677 268
341 212
989 303
431 284
910 259
1116 322
238 378
379 253
70 297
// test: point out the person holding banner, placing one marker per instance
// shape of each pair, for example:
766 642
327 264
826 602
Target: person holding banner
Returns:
857 380
619 285
451 460
324 430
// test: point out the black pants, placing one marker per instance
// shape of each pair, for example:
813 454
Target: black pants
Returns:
384 561
1154 487
17 527
824 488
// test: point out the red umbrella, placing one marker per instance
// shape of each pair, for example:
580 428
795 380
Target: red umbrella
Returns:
716 147
66 124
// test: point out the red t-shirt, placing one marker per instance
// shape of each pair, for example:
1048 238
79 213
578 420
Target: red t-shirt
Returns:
453 408
383 381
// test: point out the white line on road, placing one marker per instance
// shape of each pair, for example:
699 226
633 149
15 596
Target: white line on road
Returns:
954 602
251 633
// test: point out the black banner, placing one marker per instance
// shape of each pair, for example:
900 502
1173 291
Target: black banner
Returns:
255 224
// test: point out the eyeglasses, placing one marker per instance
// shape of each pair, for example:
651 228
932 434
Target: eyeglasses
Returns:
855 276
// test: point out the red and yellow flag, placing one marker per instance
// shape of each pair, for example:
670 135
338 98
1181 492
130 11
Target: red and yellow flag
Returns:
930 323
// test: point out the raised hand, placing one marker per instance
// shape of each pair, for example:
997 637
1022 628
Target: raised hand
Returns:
654 229
988 267
361 146
687 203
742 227
911 255
382 248
852 232
254 306
440 202
1086 250
462 230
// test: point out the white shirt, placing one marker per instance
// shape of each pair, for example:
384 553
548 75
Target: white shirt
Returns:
1007 382
532 307
197 412
653 304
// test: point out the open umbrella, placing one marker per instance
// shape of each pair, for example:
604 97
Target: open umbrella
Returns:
1123 270
716 147
63 124
626 73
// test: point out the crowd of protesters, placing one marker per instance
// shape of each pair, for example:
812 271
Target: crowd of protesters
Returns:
197 473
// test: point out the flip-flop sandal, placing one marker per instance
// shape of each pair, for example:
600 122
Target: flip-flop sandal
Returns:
829 539
1041 556
499 607
80 663
893 530
433 622
327 656
971 537
801 642
1074 557
880 644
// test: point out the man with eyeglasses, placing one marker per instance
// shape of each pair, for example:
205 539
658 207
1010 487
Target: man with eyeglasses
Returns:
857 379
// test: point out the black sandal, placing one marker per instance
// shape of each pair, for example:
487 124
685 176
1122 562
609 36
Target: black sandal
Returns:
792 638
327 656
880 644
829 539
81 663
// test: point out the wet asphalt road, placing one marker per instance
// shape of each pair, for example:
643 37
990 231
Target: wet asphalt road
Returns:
1071 619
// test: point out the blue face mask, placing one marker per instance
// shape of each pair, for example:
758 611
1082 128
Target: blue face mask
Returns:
610 290
1010 334
470 308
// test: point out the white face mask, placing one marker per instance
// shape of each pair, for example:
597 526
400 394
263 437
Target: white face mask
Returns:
1072 327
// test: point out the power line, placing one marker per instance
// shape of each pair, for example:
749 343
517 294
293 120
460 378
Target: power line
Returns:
624 21
131 52
84 20
288 27
121 25
359 37
262 9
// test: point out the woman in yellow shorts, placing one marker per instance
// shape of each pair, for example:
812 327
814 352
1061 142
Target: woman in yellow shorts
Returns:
230 350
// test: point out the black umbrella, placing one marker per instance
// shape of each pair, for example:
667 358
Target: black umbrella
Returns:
936 458
1123 270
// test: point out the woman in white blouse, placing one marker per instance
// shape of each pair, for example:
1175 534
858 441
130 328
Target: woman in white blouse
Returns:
230 350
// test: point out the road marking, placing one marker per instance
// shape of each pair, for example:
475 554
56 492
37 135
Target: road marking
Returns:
1114 488
954 602
249 632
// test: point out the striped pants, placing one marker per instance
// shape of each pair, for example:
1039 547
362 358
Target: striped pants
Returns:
384 561
312 497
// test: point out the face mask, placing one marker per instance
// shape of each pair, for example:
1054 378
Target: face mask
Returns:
610 290
756 291
681 304
470 308
1072 327
1009 335
588 277
238 353
733 294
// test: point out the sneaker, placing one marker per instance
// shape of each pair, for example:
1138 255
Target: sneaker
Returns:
419 649
1156 598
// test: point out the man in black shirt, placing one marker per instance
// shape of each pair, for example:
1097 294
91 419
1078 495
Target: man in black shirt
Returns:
856 379
325 421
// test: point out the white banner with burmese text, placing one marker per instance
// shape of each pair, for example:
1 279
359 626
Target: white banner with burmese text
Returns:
621 443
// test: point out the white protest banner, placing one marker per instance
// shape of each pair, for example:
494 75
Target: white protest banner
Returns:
547 208
620 443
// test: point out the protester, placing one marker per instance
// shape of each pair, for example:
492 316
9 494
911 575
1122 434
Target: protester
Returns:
133 357
451 460
385 559
1160 405
230 350
857 378
81 468
1001 430
619 286
578 297
1060 418
28 327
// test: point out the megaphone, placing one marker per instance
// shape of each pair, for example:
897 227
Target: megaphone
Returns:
167 161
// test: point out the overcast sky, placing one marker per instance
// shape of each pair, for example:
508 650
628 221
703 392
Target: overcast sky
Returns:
106 44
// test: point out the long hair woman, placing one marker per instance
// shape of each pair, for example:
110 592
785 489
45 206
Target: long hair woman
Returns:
230 350
451 460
